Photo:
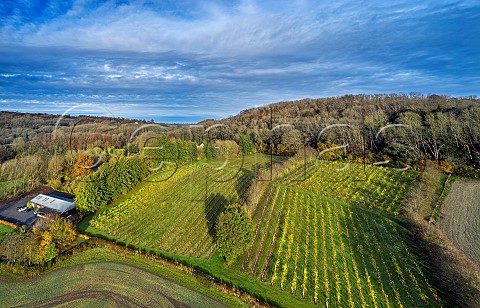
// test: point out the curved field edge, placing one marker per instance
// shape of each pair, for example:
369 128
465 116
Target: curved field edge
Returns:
164 272
461 217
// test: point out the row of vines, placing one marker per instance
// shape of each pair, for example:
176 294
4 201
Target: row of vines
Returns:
177 213
331 240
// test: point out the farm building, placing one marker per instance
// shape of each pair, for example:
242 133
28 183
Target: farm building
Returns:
52 204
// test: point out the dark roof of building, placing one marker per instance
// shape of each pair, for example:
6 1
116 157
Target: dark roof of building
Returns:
57 203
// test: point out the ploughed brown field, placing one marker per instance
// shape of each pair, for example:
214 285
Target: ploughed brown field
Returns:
461 217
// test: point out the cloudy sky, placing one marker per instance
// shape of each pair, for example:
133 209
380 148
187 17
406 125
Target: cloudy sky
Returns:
183 61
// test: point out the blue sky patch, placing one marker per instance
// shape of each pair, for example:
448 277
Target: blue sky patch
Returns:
183 61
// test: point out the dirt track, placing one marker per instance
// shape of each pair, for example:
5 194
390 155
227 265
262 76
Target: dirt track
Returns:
112 297
461 217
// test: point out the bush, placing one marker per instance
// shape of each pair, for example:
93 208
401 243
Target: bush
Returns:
467 171
446 167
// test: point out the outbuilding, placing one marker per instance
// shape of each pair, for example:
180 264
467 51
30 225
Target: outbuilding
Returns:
53 204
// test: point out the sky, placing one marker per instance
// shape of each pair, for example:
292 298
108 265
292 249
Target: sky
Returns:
185 61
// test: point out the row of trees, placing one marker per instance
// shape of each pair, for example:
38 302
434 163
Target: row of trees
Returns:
22 174
61 171
402 128
112 179
42 149
30 129
168 150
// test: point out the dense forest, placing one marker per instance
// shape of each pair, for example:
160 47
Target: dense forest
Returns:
43 149
405 129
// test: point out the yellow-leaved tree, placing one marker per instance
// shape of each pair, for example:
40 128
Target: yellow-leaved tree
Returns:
83 166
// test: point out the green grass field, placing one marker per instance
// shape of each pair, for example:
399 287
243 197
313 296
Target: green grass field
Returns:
5 230
107 284
328 239
128 279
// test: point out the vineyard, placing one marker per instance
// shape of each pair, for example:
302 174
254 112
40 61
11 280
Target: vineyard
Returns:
373 187
175 211
325 234
311 243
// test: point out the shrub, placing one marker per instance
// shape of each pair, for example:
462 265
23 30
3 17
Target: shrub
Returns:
446 167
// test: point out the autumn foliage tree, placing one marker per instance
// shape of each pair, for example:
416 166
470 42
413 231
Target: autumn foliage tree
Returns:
46 250
446 167
50 237
63 233
83 165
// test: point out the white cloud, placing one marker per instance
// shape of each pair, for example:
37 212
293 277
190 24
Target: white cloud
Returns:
215 60
219 30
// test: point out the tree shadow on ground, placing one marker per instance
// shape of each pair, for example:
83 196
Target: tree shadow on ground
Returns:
242 182
214 205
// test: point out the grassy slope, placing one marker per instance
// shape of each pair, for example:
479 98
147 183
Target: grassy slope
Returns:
52 284
105 278
456 276
179 215
358 245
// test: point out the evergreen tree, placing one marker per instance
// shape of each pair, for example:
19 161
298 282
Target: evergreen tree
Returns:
233 232
210 150
110 181
246 144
